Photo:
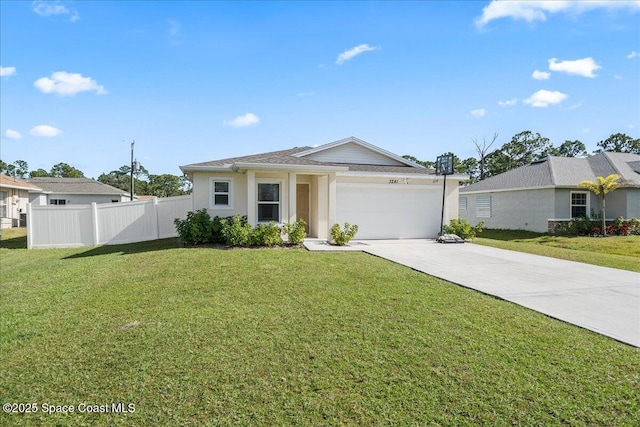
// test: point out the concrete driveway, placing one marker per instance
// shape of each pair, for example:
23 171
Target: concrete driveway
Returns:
604 300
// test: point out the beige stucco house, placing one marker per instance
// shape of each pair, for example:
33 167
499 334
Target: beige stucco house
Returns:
349 180
14 196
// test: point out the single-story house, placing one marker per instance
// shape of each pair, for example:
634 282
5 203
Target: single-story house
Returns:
14 196
76 191
538 196
350 180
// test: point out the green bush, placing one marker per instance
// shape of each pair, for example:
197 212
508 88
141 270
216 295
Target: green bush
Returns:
196 229
342 237
236 231
266 235
199 229
295 231
462 228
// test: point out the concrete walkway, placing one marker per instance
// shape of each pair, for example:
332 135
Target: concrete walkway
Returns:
603 300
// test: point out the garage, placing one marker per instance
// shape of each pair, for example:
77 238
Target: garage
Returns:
390 211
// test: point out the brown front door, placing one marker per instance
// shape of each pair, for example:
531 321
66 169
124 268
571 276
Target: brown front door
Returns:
302 202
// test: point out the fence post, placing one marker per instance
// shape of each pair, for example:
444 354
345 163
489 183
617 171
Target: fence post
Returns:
155 211
29 227
94 223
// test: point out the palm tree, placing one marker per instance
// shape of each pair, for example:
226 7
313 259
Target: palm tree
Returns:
601 187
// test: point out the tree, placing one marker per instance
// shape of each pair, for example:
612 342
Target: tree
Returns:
166 185
39 173
121 178
571 149
601 187
524 148
63 170
482 152
619 143
425 163
21 170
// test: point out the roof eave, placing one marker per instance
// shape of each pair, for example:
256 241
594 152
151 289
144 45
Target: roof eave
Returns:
194 168
290 167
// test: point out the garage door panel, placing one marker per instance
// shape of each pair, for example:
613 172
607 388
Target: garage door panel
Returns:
389 212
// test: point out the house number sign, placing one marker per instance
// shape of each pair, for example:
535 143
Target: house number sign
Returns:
398 181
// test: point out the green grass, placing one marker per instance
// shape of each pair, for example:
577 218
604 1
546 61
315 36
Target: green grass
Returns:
289 337
621 252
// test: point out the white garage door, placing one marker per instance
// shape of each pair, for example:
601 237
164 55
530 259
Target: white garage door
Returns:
393 211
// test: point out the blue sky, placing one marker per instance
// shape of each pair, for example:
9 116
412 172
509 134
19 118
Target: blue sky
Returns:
197 81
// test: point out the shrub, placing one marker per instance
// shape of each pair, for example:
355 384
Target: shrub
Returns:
196 229
634 226
236 231
295 231
342 237
462 228
266 235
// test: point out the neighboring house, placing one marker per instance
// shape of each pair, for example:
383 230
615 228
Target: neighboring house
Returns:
74 191
349 180
538 196
14 196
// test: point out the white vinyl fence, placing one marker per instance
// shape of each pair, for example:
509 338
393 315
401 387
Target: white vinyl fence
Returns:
105 223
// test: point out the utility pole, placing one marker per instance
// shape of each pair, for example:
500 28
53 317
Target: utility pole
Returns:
132 170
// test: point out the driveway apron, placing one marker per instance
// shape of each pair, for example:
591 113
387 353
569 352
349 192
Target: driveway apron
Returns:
603 300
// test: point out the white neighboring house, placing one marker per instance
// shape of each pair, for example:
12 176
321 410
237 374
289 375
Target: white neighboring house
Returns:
14 196
349 180
74 191
540 195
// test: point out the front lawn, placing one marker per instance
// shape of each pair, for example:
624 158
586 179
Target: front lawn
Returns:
288 337
621 252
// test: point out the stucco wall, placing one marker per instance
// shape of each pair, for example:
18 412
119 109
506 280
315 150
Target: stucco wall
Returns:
514 210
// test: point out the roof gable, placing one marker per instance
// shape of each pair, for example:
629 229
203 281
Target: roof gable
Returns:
354 151
349 154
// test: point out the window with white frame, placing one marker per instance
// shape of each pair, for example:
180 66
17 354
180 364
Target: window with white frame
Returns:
221 193
579 204
57 202
3 204
483 206
269 201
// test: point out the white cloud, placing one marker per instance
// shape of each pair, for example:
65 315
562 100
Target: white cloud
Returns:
508 102
530 11
174 27
479 112
633 54
618 77
541 75
544 98
353 52
68 84
248 119
7 71
45 130
43 8
580 67
13 134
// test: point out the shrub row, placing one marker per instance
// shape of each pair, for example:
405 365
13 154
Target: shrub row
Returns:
592 226
199 228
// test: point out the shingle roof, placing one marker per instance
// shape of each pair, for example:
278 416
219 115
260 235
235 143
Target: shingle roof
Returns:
563 172
74 186
9 182
286 157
